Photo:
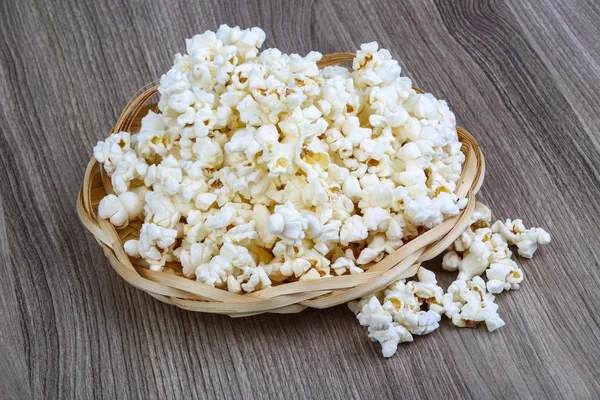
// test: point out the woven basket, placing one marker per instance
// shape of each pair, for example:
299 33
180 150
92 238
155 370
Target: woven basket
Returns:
170 286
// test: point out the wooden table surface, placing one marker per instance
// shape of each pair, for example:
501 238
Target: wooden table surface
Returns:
523 77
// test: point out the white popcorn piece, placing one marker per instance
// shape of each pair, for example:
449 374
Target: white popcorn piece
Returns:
254 278
195 229
131 248
400 316
261 214
128 168
120 209
296 266
377 194
204 201
476 260
167 174
233 285
503 275
481 213
132 203
526 240
370 253
241 233
344 264
112 208
390 338
111 151
395 229
152 245
373 315
159 209
311 273
220 267
222 218
451 261
196 255
377 219
208 152
353 230
418 323
157 235
287 224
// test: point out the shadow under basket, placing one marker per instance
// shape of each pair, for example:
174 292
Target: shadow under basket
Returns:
170 286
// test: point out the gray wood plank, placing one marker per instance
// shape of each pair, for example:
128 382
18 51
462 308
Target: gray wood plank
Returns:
523 77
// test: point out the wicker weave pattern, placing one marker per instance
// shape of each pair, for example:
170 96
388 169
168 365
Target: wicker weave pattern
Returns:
171 287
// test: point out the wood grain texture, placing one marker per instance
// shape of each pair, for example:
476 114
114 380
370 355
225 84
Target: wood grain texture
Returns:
521 76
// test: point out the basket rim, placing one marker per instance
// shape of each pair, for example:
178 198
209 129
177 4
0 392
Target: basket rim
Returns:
288 297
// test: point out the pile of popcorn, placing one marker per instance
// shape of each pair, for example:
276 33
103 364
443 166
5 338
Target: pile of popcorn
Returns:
261 169
411 308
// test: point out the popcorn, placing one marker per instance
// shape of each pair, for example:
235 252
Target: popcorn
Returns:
377 219
208 152
153 138
132 203
503 275
112 151
312 172
222 218
253 279
287 224
400 315
475 261
196 229
216 272
196 255
157 235
372 252
527 240
110 207
204 201
293 265
152 245
167 175
261 215
159 209
451 260
241 233
416 307
353 230
373 315
473 305
262 168
346 264
418 323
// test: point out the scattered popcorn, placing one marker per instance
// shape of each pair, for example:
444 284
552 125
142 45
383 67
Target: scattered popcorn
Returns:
471 305
416 307
402 310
